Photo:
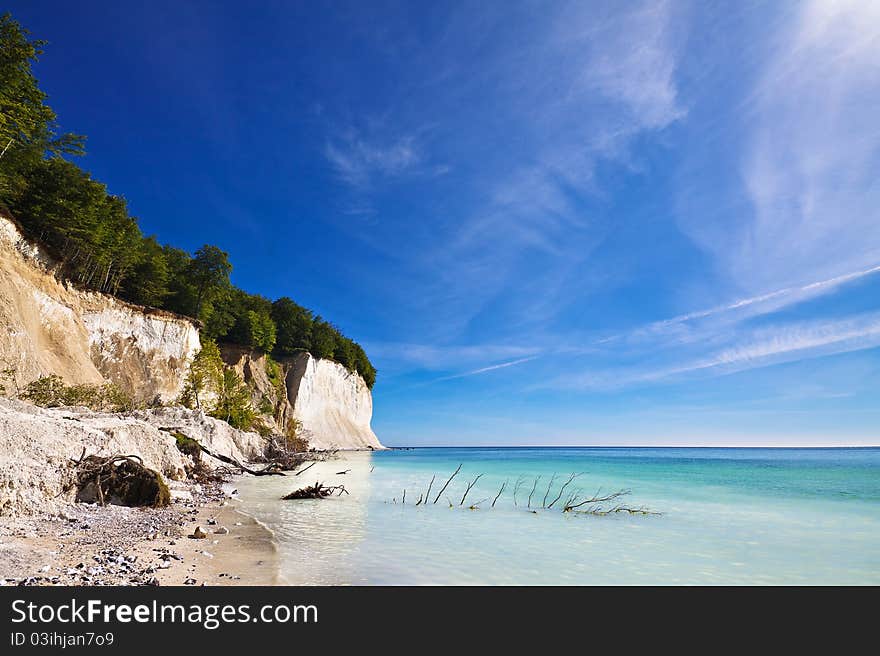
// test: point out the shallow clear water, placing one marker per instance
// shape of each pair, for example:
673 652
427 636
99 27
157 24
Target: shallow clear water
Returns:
756 516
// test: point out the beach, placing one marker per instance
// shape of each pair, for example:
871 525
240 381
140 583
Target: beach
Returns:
87 544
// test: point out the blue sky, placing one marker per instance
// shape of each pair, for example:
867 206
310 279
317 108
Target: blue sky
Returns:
547 222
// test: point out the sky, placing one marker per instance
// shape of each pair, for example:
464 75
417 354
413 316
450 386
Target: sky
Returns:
598 223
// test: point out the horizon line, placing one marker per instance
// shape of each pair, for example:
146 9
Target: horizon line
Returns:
638 446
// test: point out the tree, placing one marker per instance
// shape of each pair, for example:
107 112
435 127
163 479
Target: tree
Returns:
261 331
234 401
28 128
205 373
363 365
343 351
181 294
148 282
88 229
323 339
293 325
209 272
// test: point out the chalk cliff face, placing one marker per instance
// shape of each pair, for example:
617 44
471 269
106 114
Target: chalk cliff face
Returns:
47 327
333 405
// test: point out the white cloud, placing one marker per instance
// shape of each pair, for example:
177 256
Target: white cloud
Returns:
585 82
742 309
438 357
759 348
358 162
811 149
483 370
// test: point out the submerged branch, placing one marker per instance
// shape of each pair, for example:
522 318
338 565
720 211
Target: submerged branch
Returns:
447 484
470 485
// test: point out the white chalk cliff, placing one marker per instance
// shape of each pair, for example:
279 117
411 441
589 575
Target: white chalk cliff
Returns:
50 327
334 405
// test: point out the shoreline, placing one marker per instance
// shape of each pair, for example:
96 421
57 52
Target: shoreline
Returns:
90 545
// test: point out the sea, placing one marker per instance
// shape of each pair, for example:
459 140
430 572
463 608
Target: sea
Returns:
701 516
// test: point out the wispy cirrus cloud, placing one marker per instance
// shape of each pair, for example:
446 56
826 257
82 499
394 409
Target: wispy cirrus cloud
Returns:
586 81
484 370
434 357
753 349
808 148
743 309
359 162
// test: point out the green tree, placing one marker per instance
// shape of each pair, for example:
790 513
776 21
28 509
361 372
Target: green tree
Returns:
323 339
261 331
28 129
234 401
293 325
88 229
205 374
343 351
363 366
148 283
209 273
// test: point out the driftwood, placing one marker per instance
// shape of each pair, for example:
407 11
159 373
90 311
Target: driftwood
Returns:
562 489
270 469
534 487
195 448
598 504
120 480
519 481
469 486
305 469
499 493
447 484
316 491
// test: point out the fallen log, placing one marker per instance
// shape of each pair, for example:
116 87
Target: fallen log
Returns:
316 491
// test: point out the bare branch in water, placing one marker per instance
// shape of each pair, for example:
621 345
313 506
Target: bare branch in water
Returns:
499 493
534 487
562 489
519 481
428 493
306 469
547 493
447 483
595 499
470 485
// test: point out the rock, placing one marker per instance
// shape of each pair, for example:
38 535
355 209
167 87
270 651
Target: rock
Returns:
221 530
198 534
180 495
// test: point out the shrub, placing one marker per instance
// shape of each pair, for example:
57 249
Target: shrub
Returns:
234 402
45 391
51 391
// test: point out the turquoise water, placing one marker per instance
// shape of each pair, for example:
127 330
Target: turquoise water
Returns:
727 516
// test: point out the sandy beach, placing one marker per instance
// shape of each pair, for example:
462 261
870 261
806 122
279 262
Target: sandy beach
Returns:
86 544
